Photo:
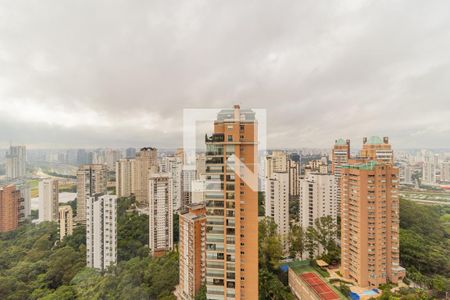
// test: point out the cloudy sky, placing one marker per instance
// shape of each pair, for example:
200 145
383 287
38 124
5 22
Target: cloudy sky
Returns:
119 73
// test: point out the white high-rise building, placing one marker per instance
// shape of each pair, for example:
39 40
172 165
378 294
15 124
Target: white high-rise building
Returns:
405 174
125 169
25 200
174 166
160 213
318 198
65 221
277 203
429 171
48 200
445 171
198 191
16 160
101 231
187 178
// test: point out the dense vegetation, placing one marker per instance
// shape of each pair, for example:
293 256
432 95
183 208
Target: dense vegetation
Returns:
132 231
34 265
270 250
320 236
425 245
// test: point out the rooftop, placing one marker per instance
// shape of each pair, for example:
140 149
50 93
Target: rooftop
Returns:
301 267
340 142
320 288
374 140
368 166
228 114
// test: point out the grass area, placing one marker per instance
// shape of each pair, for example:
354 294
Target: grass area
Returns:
445 219
34 186
304 266
426 196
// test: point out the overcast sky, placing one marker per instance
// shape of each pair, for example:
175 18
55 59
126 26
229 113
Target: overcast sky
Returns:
119 73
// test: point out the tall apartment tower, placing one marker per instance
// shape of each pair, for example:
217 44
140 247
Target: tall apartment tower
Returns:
294 175
445 171
179 153
174 166
25 200
101 231
318 198
200 165
145 165
65 221
16 159
130 153
160 213
48 200
111 157
192 251
370 218
428 171
375 148
187 178
125 169
9 208
280 161
340 155
91 179
232 206
277 203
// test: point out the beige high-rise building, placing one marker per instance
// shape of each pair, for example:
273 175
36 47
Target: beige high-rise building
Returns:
276 162
192 251
179 153
146 164
280 161
111 157
48 200
91 179
370 217
9 208
277 204
294 175
232 207
65 221
200 166
160 213
375 148
340 155
125 168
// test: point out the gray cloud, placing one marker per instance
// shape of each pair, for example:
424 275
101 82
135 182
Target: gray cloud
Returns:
121 72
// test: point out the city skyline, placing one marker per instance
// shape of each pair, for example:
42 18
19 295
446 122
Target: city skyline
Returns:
360 69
